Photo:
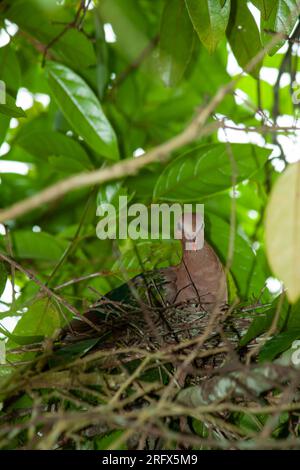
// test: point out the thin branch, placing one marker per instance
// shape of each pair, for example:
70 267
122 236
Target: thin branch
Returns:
76 23
133 65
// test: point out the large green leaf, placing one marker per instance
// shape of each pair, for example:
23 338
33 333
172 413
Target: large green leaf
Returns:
243 35
82 109
21 302
37 245
207 170
43 144
106 442
10 72
109 195
282 228
9 108
265 7
282 19
176 41
128 21
72 351
21 340
259 325
294 316
249 85
4 126
210 19
264 318
41 319
278 344
75 48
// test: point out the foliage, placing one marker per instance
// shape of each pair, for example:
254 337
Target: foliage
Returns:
106 81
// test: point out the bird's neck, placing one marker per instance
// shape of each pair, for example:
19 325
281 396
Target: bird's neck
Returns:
192 254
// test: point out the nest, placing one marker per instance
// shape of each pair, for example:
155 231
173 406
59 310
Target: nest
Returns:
158 377
142 325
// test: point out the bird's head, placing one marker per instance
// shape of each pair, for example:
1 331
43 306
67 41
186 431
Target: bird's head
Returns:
190 229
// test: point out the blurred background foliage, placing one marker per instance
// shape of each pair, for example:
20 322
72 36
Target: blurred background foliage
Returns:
90 83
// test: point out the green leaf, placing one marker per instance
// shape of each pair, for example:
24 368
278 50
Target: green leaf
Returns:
75 48
231 288
265 7
4 126
247 422
3 277
41 319
142 185
110 193
129 23
43 144
21 340
70 352
207 170
37 245
102 67
263 321
281 19
10 72
278 344
9 108
294 317
82 109
243 36
106 442
282 230
257 327
176 41
210 19
249 86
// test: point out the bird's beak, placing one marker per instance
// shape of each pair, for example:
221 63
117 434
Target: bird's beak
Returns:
195 245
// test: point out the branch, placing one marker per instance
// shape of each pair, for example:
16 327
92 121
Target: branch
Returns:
237 384
134 65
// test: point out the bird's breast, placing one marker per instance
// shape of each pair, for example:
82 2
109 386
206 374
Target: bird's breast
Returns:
201 276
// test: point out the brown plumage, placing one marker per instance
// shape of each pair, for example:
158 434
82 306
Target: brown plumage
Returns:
199 276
